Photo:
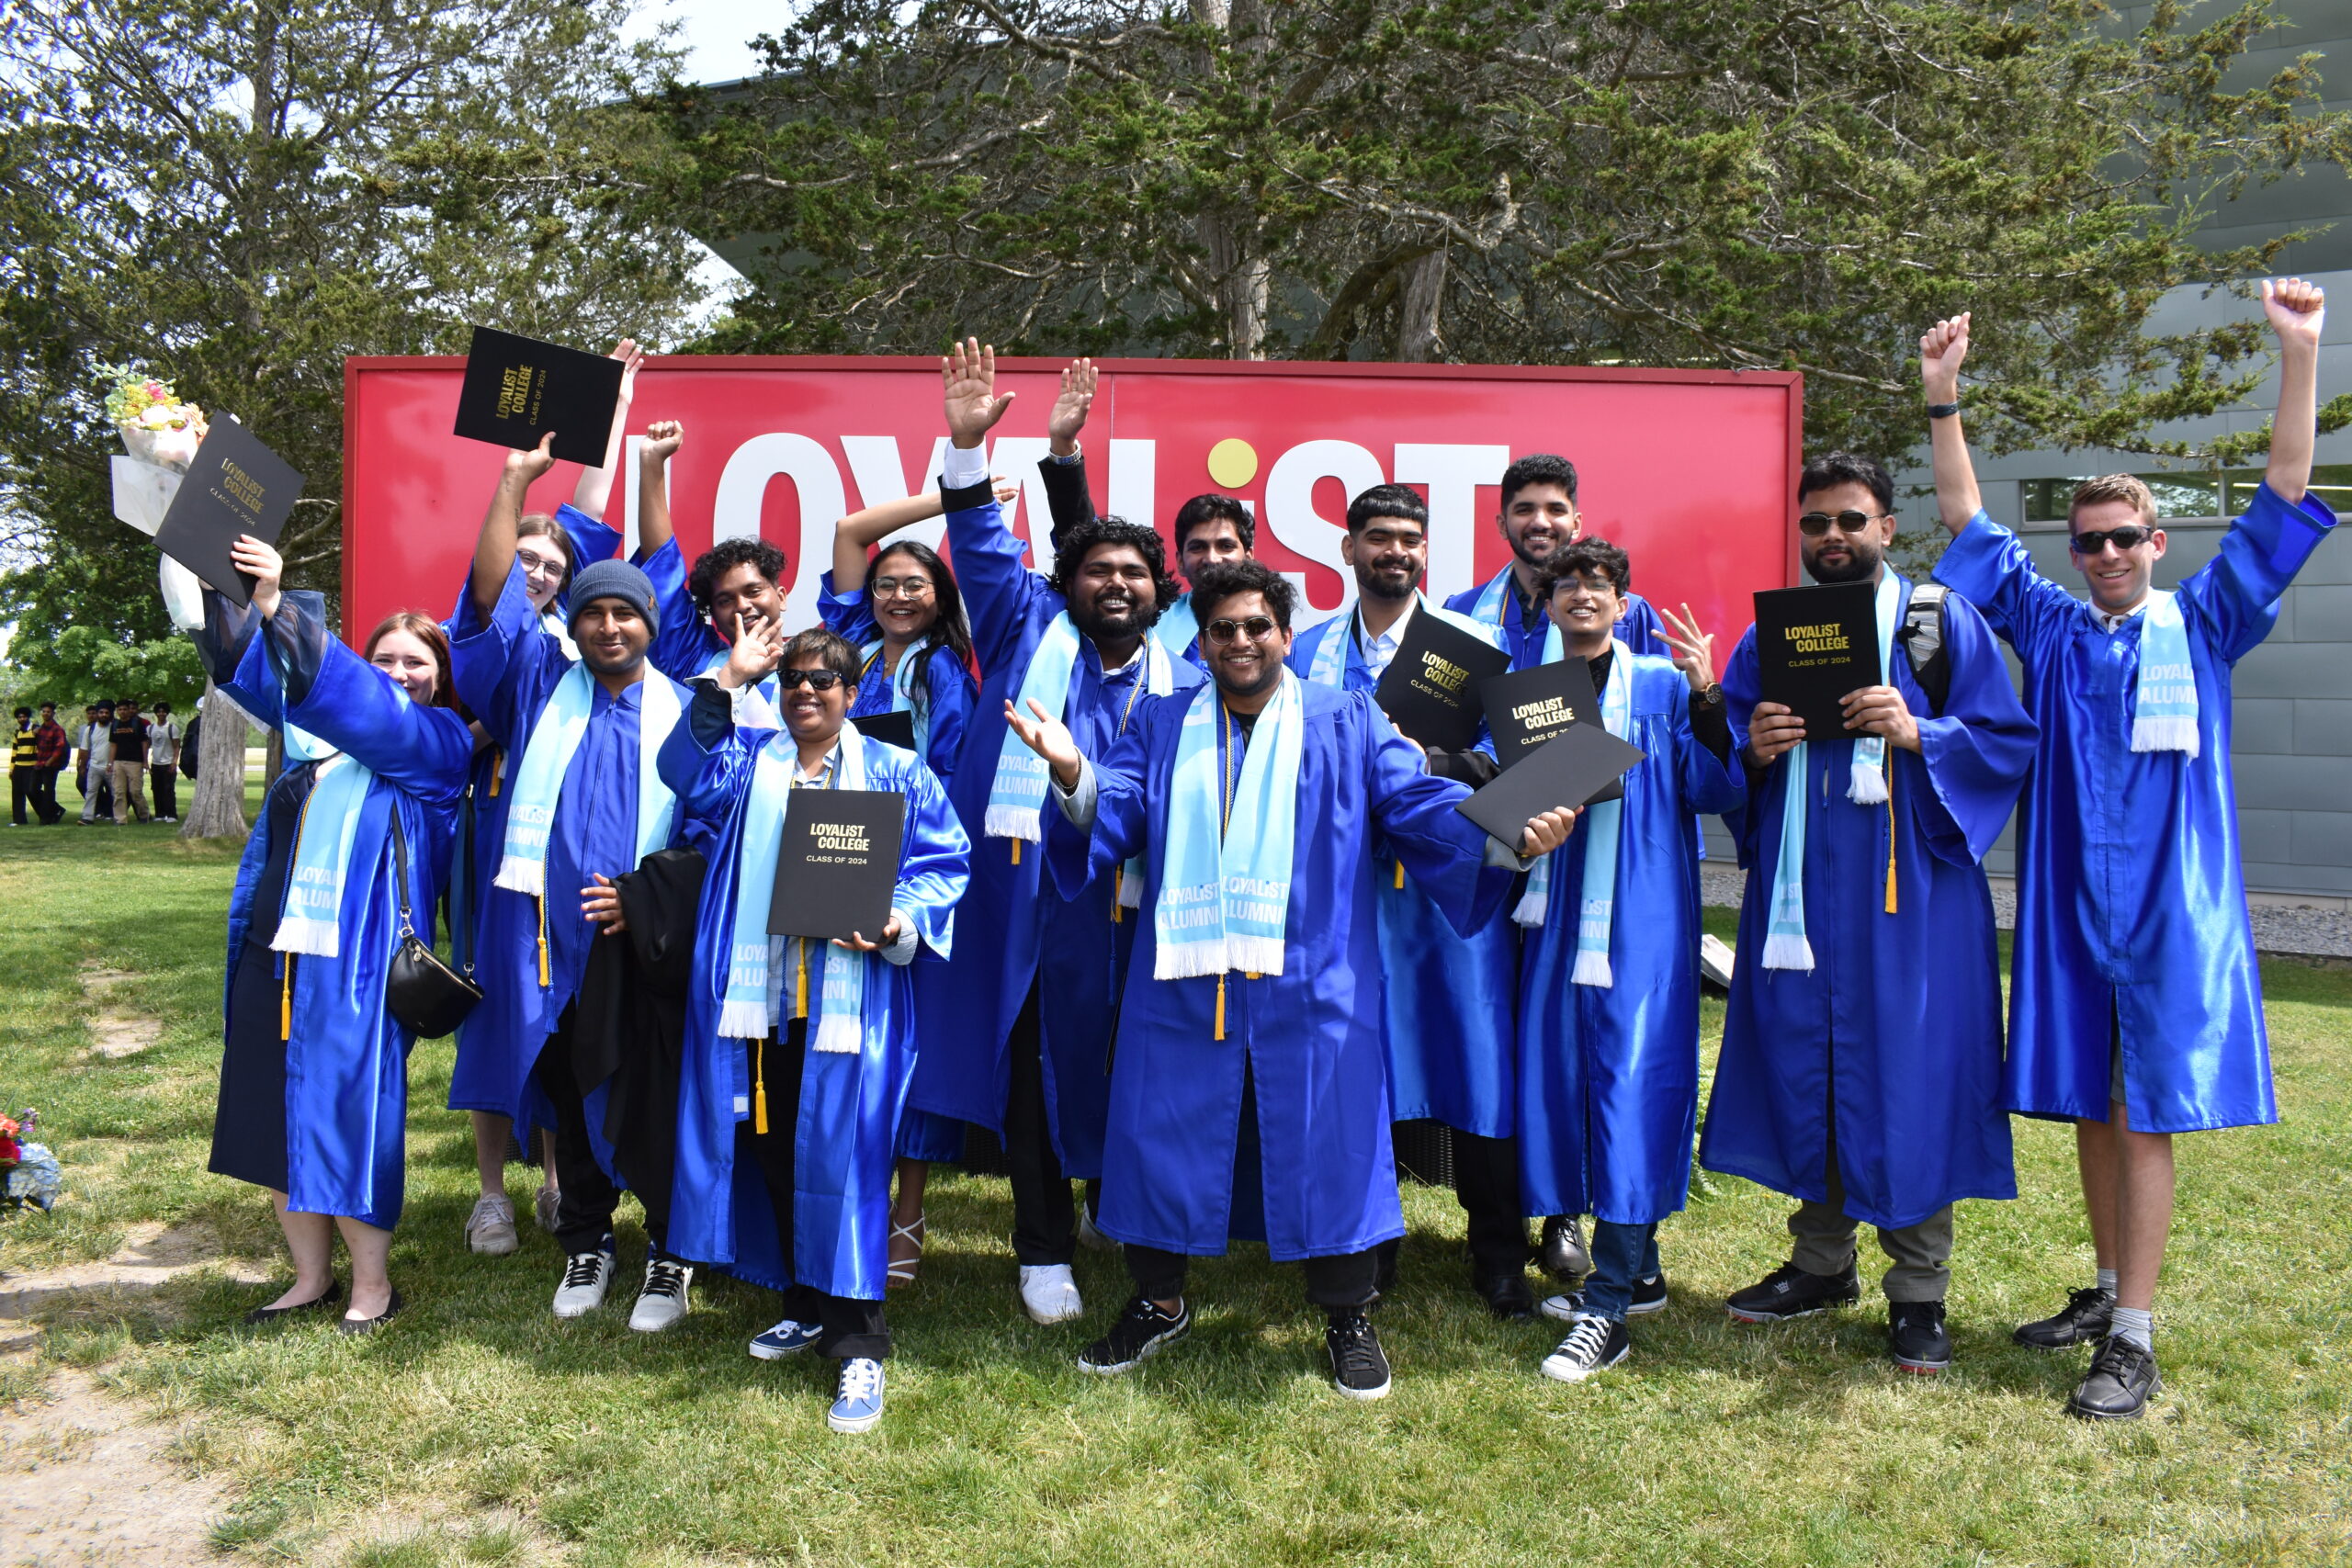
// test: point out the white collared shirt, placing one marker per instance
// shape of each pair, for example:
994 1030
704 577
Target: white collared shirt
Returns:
1381 651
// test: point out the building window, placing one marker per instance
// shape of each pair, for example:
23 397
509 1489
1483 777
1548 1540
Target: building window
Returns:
2192 495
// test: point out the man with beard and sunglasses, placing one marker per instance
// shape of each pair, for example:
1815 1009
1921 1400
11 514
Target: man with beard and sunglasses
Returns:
1016 1023
1861 1069
2136 1004
1250 1097
1451 1013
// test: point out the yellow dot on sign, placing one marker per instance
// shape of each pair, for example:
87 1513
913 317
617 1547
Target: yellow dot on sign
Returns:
1233 462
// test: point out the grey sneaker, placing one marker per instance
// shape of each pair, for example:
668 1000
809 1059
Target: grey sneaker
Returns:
490 1229
543 1206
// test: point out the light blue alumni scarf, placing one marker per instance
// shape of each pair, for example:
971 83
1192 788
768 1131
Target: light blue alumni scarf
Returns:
756 961
2163 703
1225 890
1329 665
1177 628
1017 792
314 881
1601 824
538 782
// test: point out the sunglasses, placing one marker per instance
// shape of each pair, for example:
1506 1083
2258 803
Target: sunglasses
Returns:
815 679
1816 523
1257 628
2091 541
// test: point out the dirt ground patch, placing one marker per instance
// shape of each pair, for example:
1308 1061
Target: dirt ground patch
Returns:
114 1032
152 1256
87 1478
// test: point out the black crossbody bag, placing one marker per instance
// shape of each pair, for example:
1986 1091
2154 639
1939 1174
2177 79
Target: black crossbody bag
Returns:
426 995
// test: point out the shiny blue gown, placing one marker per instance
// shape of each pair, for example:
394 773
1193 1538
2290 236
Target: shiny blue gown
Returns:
2131 914
1895 1032
1636 631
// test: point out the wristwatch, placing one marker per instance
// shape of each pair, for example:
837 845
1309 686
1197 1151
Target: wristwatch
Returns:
1711 696
1942 411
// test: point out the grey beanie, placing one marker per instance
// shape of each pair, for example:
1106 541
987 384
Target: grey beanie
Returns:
611 579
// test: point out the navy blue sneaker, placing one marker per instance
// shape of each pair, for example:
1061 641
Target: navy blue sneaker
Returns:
858 1397
782 1341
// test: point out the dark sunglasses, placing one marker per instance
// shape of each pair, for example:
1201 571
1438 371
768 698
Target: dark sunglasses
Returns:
1257 628
1816 523
2091 541
815 679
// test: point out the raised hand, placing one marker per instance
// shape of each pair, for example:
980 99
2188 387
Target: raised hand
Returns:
1547 831
967 385
528 466
662 439
1880 710
262 562
1941 352
631 357
1006 491
752 657
2296 310
1694 650
1771 731
601 905
1049 737
1070 406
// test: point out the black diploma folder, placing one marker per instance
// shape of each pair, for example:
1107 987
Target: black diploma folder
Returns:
891 729
1430 690
517 389
1572 768
235 486
1813 645
838 863
1527 708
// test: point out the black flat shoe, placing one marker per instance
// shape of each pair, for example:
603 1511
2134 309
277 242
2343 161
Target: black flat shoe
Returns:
369 1325
331 1296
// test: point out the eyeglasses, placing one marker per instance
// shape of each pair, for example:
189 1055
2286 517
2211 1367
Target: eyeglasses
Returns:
1816 523
538 566
1574 583
2091 541
1257 628
815 679
910 587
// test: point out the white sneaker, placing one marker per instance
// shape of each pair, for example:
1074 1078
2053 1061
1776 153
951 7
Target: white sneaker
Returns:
586 1277
1090 1237
1049 1293
661 1304
490 1229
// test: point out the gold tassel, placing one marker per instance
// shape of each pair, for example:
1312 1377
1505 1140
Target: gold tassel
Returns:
1889 840
1118 886
497 769
1220 1007
1016 851
760 1086
286 1002
800 982
544 981
1400 876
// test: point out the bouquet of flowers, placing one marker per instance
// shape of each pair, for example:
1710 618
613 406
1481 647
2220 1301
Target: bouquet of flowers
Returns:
29 1172
156 426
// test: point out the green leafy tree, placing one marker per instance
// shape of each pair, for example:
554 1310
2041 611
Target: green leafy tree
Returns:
1744 184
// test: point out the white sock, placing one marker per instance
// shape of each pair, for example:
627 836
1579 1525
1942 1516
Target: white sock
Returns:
2136 1324
2107 1281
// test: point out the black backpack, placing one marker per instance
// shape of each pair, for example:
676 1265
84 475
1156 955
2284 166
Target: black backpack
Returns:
1922 636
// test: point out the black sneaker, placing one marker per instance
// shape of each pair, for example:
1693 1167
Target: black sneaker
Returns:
1505 1295
2121 1381
1358 1369
1594 1345
1649 1296
1563 1251
1916 1336
1789 1291
1142 1331
2082 1318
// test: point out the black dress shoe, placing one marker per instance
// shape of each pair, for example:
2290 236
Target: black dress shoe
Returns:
369 1325
2122 1379
1563 1251
2084 1318
331 1296
1789 1291
1916 1336
1507 1296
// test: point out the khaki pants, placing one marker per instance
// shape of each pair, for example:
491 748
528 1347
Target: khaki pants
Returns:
130 790
1824 1233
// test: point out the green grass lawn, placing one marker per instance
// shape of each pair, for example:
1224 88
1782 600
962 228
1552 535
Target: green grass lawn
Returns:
478 1429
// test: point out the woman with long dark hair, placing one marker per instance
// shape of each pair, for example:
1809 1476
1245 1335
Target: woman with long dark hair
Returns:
313 1100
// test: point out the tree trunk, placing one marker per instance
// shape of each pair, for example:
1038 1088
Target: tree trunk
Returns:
217 808
1417 341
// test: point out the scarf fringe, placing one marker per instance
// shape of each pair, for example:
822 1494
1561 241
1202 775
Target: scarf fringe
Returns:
308 935
1783 950
1013 822
528 878
1528 910
1218 955
2171 732
1592 969
838 1034
743 1019
1867 786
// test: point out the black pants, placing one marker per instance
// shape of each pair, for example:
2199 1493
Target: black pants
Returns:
1045 1216
846 1327
24 789
586 1196
164 779
1341 1279
1485 1180
45 796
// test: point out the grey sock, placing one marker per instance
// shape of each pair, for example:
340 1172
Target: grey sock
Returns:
2136 1324
2107 1281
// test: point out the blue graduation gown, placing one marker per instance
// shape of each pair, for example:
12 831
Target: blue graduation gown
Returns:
850 1104
1609 1075
947 686
505 673
1525 640
1451 999
1896 1029
1310 1039
2131 914
1065 941
347 1056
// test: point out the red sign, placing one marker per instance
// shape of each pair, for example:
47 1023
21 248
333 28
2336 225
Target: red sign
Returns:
1693 472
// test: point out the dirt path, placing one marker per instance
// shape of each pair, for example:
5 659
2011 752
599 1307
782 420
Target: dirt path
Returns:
85 1478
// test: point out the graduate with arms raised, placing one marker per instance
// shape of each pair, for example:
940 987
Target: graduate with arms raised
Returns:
800 1052
1609 1004
314 1068
2135 1001
1861 1071
1250 1093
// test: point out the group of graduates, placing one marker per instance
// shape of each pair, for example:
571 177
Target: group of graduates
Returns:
1222 923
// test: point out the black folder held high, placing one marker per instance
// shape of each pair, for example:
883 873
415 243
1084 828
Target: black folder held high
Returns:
1570 769
891 729
1813 647
838 862
235 486
1429 691
517 389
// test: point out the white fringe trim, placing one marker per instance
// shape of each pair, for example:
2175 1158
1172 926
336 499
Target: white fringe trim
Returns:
1011 822
1256 954
744 1021
842 1034
1865 786
308 935
521 875
1528 910
2177 732
1217 956
1785 951
1592 969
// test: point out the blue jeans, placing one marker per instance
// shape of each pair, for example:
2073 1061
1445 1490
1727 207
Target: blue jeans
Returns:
1621 1255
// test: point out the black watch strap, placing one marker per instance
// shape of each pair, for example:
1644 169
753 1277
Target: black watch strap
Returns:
1942 411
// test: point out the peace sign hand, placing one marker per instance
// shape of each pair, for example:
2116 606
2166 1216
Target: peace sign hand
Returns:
1694 650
